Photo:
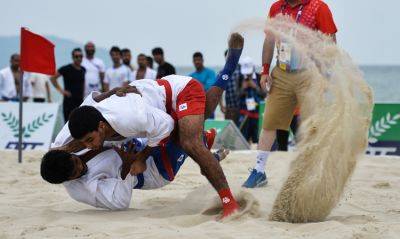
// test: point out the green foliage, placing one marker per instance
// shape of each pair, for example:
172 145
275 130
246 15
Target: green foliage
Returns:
27 131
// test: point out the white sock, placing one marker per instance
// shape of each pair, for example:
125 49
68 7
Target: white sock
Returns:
262 157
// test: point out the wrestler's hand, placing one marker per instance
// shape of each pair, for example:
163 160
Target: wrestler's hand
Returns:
236 41
122 91
138 166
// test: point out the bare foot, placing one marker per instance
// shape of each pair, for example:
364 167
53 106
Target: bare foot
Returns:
236 41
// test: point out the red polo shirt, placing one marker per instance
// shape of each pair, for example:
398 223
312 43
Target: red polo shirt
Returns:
315 14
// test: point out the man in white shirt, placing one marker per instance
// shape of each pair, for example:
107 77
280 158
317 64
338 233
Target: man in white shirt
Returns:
10 78
126 58
149 115
95 70
143 71
118 75
40 87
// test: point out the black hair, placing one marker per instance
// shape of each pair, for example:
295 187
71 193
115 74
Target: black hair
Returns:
197 54
150 61
115 49
76 50
157 51
14 56
56 166
142 55
83 120
125 50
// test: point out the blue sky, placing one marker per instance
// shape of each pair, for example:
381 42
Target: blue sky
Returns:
368 29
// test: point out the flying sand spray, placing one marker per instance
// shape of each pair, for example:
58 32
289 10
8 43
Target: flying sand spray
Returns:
335 115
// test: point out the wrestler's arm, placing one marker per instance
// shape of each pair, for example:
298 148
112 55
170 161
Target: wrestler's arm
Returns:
139 164
72 147
119 91
130 158
114 193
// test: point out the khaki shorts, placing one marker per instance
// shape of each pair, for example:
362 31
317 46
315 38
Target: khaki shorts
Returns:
287 91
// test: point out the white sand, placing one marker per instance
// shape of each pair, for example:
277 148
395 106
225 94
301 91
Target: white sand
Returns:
31 208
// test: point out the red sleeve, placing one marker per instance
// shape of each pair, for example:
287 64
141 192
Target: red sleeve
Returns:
324 18
274 10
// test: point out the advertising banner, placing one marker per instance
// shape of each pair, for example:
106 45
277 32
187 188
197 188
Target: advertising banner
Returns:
384 132
38 125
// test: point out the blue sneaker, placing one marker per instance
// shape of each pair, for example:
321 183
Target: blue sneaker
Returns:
255 180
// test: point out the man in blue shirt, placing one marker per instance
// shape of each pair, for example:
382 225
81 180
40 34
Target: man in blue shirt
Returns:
204 75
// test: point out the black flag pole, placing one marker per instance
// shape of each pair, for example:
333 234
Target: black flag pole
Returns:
21 100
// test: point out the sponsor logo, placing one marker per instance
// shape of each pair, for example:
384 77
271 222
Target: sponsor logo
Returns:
378 144
225 77
382 125
226 200
27 131
24 145
183 107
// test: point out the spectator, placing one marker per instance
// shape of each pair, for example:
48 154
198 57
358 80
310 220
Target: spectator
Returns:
118 75
150 62
164 68
232 103
10 78
126 58
40 87
95 69
290 82
143 71
74 83
204 75
250 96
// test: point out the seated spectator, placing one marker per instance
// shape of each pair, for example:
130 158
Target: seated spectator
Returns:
10 79
250 94
143 71
205 76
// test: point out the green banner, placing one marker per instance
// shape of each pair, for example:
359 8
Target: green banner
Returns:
384 133
385 125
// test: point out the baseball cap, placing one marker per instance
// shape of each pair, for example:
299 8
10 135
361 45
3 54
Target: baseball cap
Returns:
247 66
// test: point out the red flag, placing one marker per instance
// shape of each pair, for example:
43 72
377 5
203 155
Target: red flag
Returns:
37 53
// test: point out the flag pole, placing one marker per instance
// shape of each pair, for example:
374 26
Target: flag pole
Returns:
21 99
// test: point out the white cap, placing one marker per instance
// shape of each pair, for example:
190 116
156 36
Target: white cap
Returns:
247 66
